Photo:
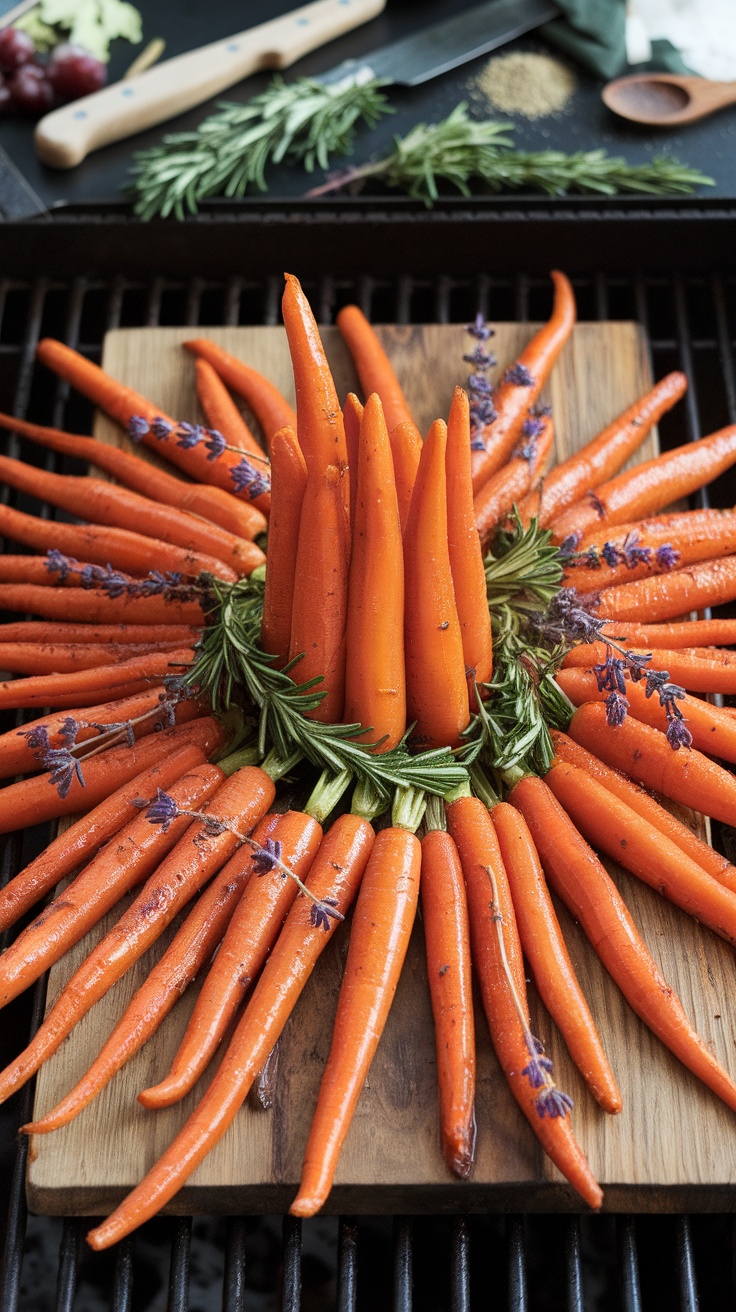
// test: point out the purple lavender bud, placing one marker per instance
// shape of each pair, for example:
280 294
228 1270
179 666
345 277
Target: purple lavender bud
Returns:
480 329
320 914
667 556
214 443
591 559
655 680
63 769
611 554
570 543
634 554
532 427
609 675
678 735
483 412
480 358
479 385
553 1103
266 857
37 738
162 810
161 428
616 708
69 730
476 442
189 436
56 563
246 478
138 428
519 376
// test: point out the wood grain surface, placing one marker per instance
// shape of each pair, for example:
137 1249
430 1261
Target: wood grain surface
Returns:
674 1145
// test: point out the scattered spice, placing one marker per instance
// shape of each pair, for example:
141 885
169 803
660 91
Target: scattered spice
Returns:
533 85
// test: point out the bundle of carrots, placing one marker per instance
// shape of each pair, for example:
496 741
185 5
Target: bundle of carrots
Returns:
443 624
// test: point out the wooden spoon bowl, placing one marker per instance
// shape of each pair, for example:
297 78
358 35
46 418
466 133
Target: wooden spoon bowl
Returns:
666 99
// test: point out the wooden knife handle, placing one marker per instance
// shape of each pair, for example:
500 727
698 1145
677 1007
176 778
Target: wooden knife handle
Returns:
65 136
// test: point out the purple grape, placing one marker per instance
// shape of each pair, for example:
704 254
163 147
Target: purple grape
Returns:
74 72
30 90
16 49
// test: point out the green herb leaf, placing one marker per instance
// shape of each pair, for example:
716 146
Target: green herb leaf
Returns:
92 24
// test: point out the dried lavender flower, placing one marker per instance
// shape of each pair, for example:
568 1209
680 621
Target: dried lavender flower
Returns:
138 428
267 856
519 376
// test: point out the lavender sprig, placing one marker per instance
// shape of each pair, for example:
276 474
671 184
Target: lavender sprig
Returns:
188 436
480 391
631 553
518 375
172 587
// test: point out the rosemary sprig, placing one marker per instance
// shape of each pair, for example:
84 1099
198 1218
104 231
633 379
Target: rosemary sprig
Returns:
229 152
526 569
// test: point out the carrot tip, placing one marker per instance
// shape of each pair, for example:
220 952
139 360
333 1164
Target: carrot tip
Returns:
160 1095
305 1206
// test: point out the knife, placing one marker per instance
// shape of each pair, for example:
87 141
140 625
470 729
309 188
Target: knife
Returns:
65 136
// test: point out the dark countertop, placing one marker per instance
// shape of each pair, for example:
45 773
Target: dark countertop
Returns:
586 124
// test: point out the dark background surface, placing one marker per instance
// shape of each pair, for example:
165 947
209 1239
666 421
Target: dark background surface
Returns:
586 124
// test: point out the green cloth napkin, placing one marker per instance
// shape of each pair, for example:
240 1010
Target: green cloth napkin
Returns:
593 32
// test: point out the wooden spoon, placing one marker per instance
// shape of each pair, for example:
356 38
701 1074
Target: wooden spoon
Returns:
667 99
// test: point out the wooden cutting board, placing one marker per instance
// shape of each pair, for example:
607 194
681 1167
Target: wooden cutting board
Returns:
674 1145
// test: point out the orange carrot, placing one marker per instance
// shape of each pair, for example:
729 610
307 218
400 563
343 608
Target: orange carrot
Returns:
602 457
352 414
436 684
406 449
138 849
182 635
497 958
375 680
668 540
95 607
336 873
34 801
38 571
210 503
646 488
379 938
249 938
268 405
288 482
494 499
65 658
198 855
545 950
522 384
591 896
688 633
447 937
667 596
85 686
221 412
711 672
375 370
466 556
319 423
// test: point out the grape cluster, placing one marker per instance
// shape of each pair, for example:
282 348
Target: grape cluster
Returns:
32 87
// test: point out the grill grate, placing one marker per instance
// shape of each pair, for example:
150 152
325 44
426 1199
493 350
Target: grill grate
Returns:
528 1264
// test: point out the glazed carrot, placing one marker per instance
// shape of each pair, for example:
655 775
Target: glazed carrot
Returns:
375 679
221 412
688 633
466 556
714 672
406 449
666 596
118 547
95 606
668 542
319 606
183 635
188 952
352 414
86 836
122 404
101 502
379 938
436 684
199 854
288 481
711 727
650 810
494 499
138 849
319 423
521 385
336 873
644 754
447 938
648 487
65 658
547 955
700 524
34 801
249 938
265 400
496 950
375 371
591 896
602 457
210 503
85 686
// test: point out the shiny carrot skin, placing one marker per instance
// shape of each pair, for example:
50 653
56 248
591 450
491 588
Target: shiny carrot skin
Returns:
66 658
33 801
712 728
616 829
513 399
648 487
319 422
35 570
336 872
122 404
319 606
688 633
644 754
591 896
667 596
545 950
181 635
221 412
189 951
436 685
602 457
502 984
406 449
197 856
93 606
85 687
447 939
352 414
100 502
265 400
375 679
466 556
509 486
714 672
648 808
210 503
375 371
288 484
138 849
119 547
379 938
249 938
686 538
78 844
